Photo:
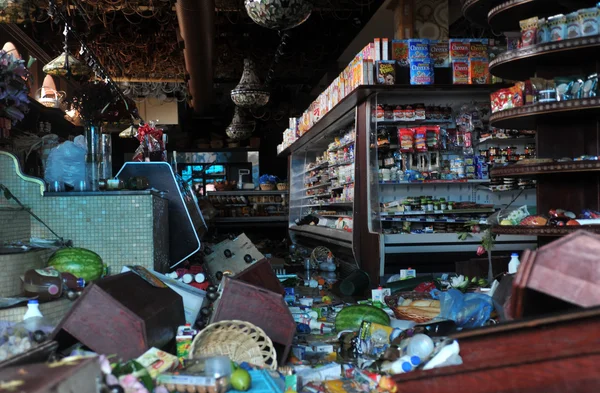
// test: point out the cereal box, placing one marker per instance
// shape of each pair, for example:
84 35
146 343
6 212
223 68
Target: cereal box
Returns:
386 72
400 52
421 72
459 49
460 71
479 71
377 49
440 56
385 49
478 48
418 49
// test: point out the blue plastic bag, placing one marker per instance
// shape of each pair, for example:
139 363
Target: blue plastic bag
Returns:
468 310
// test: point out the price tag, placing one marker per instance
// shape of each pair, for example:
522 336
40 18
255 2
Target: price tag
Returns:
450 220
438 211
397 219
399 213
430 220
413 219
384 213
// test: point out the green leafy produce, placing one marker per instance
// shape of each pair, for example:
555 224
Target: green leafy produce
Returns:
350 318
80 262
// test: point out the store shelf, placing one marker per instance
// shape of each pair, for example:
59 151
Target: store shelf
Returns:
415 123
521 64
327 194
542 230
436 212
337 115
527 117
315 187
341 186
327 204
345 145
242 193
506 16
476 11
321 233
432 220
315 168
341 164
231 220
506 140
434 182
518 170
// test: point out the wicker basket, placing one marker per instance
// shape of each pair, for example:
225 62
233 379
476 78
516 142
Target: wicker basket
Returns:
240 340
282 186
267 187
409 313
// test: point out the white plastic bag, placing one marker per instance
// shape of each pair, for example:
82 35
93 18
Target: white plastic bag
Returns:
66 163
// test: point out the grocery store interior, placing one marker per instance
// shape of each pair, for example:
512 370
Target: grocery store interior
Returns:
300 196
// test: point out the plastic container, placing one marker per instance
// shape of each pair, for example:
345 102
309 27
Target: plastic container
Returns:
217 366
420 345
33 310
405 364
45 284
514 263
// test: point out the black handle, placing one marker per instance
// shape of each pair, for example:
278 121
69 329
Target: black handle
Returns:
248 258
227 253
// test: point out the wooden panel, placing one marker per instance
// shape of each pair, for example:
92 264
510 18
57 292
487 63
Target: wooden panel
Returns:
262 275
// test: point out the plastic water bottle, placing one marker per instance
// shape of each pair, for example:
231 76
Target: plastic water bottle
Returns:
405 364
420 345
514 263
33 318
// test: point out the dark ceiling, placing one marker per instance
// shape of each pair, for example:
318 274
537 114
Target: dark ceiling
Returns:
139 39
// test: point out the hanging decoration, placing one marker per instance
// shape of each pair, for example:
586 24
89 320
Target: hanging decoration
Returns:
66 65
47 95
152 146
278 14
162 91
241 128
250 93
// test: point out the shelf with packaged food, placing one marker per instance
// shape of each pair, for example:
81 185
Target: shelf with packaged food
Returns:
527 117
545 230
505 17
545 168
458 181
246 192
482 210
476 11
520 64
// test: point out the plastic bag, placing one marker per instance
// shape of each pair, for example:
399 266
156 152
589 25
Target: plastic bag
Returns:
467 310
66 163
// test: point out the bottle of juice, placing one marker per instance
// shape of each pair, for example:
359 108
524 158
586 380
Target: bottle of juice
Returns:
46 284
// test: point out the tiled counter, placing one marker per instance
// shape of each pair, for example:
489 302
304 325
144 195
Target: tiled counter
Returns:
129 228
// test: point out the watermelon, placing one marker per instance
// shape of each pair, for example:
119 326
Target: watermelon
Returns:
79 262
350 318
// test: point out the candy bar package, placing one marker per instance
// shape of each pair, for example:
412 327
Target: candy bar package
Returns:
589 21
573 25
440 55
386 72
400 52
528 31
557 25
418 49
460 71
421 72
459 49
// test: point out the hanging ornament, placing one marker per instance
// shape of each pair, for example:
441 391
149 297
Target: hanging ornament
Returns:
250 93
66 65
241 128
279 14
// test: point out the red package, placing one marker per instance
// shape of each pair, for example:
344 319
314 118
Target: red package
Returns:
421 139
425 287
406 137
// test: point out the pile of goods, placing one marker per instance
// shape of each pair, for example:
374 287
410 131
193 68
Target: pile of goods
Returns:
555 218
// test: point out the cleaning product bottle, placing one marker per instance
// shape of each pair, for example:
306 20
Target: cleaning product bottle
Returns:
405 364
514 263
33 318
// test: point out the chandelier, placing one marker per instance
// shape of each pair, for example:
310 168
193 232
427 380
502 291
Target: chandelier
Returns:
241 128
250 93
278 14
162 91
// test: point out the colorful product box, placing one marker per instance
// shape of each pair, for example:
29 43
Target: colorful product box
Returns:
460 71
400 52
440 54
385 49
418 49
386 72
459 49
421 72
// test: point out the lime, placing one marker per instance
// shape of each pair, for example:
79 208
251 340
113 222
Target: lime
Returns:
241 380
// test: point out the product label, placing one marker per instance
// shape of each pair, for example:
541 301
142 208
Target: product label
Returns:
421 73
459 49
460 72
47 272
440 54
400 52
418 49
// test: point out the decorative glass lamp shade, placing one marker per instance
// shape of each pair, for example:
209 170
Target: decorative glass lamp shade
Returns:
241 128
58 67
279 14
250 93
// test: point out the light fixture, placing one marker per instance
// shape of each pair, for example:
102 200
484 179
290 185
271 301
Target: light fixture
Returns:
66 65
241 128
279 14
250 93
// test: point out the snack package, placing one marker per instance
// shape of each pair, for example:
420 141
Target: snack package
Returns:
460 71
433 137
400 52
440 54
557 26
479 71
409 113
459 49
398 113
589 21
421 72
406 137
506 98
375 339
543 34
529 31
420 139
590 86
418 49
573 25
386 72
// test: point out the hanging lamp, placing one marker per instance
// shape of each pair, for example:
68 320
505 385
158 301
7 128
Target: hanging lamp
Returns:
66 65
241 128
250 93
278 14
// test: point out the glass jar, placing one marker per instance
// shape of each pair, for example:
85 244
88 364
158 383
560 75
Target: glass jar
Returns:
443 205
450 205
429 205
